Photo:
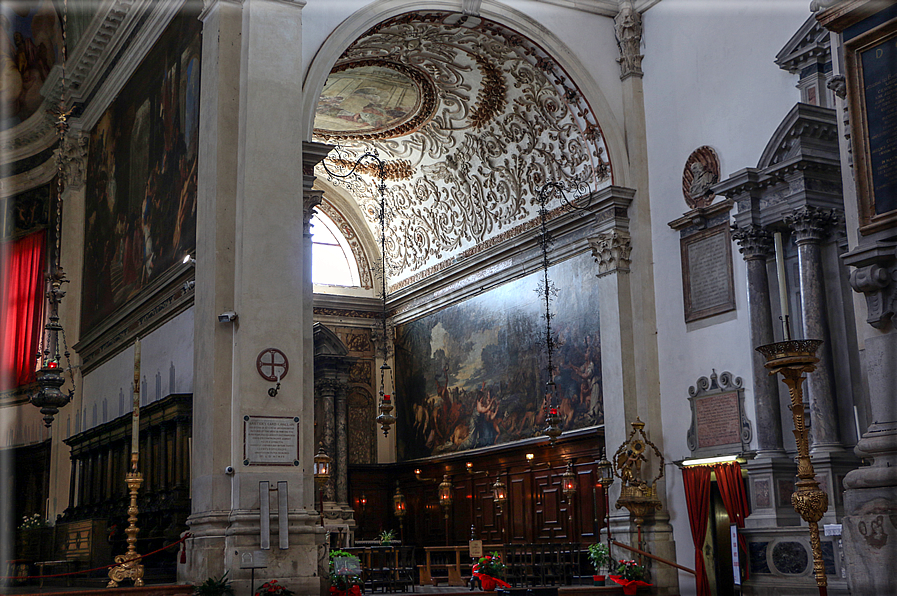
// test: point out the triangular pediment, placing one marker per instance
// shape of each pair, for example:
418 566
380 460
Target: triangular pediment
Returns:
810 44
807 132
328 343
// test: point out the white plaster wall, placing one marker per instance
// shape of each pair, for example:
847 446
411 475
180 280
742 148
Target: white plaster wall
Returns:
167 349
709 80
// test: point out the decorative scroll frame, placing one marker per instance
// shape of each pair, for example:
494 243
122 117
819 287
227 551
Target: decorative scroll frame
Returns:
870 222
708 388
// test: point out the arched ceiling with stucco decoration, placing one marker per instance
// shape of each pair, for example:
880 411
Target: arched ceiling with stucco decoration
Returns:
472 120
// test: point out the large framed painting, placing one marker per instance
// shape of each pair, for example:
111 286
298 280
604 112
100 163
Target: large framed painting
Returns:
473 375
871 59
30 45
141 176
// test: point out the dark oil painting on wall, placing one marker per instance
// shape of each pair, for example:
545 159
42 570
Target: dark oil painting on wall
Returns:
141 175
30 45
473 375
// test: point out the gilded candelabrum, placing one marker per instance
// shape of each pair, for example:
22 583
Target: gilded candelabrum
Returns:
128 566
792 359
636 495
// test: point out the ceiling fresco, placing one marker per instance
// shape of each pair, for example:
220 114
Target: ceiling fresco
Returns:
472 119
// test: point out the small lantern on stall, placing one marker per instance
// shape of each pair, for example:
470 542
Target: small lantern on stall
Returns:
569 481
322 467
445 493
398 503
499 492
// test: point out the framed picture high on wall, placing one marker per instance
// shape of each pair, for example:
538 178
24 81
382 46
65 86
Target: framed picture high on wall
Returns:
871 61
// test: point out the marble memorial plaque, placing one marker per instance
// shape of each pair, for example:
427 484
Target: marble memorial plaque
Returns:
718 420
872 82
707 280
270 441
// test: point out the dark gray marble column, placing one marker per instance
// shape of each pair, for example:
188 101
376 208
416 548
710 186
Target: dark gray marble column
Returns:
342 447
810 226
325 391
755 245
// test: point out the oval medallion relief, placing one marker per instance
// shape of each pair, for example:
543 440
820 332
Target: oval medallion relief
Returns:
374 99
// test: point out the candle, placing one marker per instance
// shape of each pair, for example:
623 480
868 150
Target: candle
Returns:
783 286
135 420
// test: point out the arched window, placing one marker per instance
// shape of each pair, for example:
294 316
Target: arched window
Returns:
333 263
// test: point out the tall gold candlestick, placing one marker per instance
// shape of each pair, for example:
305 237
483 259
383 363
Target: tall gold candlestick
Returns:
127 566
793 359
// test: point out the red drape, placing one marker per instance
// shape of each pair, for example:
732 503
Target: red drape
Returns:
697 497
22 284
731 488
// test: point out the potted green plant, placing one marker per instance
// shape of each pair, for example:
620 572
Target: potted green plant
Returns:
214 586
386 537
599 556
345 574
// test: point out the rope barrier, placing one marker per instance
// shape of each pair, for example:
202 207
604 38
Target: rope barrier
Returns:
22 577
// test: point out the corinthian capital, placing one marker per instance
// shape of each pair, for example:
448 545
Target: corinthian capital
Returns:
611 251
628 29
73 156
811 224
754 242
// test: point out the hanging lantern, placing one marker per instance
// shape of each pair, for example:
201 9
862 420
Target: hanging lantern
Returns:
385 419
499 491
605 471
552 419
445 492
398 503
322 467
569 481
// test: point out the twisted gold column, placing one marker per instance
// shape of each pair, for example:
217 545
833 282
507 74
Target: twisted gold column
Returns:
792 359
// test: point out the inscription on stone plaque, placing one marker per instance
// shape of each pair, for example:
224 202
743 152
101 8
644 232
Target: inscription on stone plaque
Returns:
718 420
880 95
270 441
708 284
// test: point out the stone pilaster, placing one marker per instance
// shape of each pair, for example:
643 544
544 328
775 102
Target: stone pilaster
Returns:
342 448
326 389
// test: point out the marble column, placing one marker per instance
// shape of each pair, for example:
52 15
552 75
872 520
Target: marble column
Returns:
342 446
809 227
755 245
326 389
831 461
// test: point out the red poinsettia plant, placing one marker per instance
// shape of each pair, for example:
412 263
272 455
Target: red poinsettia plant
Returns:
488 570
630 575
272 588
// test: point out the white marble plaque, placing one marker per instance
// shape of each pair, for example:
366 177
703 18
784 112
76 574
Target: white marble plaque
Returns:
270 441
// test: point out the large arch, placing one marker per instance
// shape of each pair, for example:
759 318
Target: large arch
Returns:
380 10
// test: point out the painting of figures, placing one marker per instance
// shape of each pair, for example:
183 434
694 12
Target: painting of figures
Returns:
473 375
30 45
141 175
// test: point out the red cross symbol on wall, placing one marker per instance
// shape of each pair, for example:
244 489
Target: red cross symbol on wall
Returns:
272 364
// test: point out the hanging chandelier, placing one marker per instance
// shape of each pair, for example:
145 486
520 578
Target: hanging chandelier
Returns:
548 291
385 418
49 396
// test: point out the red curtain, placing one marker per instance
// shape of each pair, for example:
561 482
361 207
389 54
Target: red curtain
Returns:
697 497
22 283
731 488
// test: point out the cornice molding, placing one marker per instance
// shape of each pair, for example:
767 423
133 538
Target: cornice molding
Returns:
42 174
607 8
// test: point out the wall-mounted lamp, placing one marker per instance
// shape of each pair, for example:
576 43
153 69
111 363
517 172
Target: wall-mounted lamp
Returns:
227 316
188 260
471 471
530 456
398 509
363 502
420 478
